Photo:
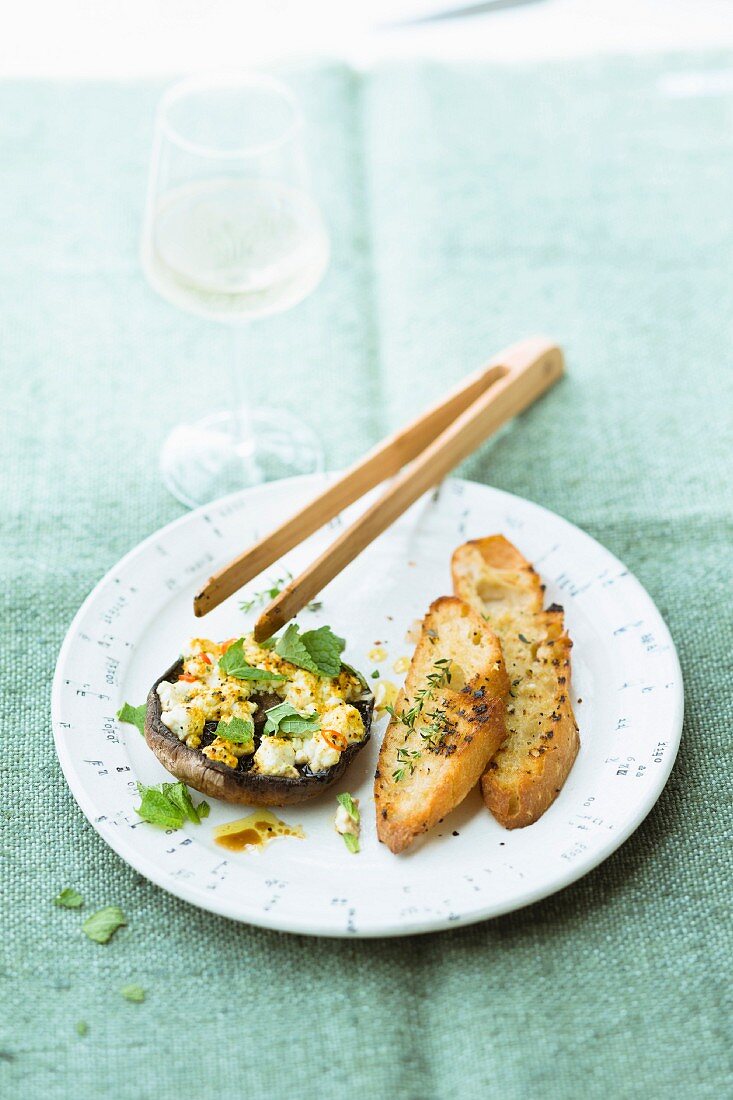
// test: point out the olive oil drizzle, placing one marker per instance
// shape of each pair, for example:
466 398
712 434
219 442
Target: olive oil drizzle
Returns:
254 831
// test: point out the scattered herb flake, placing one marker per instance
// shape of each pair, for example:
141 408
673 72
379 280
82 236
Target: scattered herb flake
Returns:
134 993
134 716
523 639
375 674
351 841
82 1028
69 899
103 924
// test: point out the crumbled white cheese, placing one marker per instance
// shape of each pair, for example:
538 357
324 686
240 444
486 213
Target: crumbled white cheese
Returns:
343 719
171 694
300 691
185 721
345 825
319 755
343 822
276 756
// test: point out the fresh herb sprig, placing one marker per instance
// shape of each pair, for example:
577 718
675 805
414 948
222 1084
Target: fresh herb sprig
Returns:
258 598
275 588
406 759
168 805
439 678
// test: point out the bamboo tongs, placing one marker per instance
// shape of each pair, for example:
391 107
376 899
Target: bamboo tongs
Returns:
428 449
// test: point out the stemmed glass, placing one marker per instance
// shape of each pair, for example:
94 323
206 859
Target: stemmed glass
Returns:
232 232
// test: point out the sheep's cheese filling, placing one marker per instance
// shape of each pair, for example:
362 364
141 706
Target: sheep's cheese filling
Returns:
204 693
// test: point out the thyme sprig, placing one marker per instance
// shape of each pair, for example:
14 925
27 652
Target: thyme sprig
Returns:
430 733
275 588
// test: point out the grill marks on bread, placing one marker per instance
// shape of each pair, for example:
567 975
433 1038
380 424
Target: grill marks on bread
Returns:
528 771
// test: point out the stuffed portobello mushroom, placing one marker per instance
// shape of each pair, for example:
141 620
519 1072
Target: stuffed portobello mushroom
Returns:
265 725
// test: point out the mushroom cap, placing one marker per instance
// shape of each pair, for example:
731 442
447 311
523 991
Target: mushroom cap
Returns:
252 788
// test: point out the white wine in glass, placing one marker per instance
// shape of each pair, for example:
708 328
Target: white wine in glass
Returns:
232 233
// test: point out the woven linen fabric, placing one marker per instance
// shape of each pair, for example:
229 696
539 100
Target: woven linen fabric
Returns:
468 206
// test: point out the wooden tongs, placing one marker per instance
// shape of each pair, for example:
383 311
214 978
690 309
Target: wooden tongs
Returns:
428 449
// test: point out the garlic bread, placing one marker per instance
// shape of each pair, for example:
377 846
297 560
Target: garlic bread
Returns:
447 723
528 772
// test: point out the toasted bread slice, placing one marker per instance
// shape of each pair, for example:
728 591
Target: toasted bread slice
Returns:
448 722
528 772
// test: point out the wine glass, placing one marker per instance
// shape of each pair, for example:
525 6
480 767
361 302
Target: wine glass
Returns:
232 232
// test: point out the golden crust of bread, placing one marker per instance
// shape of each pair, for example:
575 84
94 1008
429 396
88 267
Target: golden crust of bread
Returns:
448 722
527 773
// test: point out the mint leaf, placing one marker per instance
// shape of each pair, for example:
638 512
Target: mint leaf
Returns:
134 993
69 899
157 808
179 796
103 924
134 716
169 805
251 672
317 651
325 649
351 841
291 648
286 721
233 659
241 731
350 806
234 663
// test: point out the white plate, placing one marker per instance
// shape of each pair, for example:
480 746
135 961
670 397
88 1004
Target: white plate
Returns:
625 671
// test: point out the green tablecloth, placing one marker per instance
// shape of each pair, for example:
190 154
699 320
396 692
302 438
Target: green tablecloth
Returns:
469 206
